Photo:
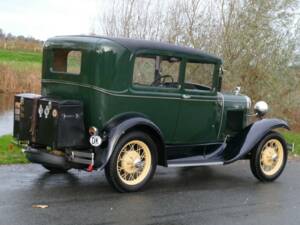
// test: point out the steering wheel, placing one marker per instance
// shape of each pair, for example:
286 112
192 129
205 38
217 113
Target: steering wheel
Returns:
161 79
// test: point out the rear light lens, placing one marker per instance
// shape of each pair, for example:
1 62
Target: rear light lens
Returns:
93 131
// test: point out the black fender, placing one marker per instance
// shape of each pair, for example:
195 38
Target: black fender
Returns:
118 126
241 144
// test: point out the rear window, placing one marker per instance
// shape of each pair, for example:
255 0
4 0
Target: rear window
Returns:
66 61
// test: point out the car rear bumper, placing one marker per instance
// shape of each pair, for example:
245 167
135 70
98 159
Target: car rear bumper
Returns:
44 158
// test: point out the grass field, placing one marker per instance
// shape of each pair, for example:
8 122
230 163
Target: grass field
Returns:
20 56
11 154
19 71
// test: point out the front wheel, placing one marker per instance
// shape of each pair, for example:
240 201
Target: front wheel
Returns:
132 163
269 159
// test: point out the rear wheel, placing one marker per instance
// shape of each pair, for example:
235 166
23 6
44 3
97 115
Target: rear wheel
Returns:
132 163
269 159
53 169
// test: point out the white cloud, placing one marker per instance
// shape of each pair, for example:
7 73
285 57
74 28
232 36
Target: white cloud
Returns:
45 18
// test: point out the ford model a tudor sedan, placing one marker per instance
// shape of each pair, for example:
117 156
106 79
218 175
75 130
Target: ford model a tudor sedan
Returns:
126 106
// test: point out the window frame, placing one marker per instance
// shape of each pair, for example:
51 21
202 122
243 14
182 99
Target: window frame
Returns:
68 50
215 74
156 88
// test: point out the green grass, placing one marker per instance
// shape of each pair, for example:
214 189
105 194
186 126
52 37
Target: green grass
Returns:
10 153
293 138
20 56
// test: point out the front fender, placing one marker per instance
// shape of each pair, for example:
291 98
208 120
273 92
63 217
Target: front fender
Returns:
115 132
247 139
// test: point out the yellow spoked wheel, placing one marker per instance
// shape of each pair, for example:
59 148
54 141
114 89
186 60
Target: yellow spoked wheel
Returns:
134 162
271 157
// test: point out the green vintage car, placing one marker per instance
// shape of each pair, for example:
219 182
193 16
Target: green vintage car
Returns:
126 106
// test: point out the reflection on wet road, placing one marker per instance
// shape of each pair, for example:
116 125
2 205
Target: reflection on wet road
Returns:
6 122
208 195
6 114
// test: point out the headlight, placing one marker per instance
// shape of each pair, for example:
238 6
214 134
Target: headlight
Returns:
248 101
261 108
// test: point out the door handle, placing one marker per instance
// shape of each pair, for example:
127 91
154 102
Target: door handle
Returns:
186 96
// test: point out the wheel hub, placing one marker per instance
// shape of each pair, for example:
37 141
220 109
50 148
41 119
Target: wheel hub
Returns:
130 161
269 156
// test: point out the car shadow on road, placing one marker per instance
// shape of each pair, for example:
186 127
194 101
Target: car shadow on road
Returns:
165 180
202 178
47 179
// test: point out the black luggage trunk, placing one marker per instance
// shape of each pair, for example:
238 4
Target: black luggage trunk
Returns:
60 123
23 115
49 122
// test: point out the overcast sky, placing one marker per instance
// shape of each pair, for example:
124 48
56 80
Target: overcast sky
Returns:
45 18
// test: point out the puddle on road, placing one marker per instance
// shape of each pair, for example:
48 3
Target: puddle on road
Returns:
6 114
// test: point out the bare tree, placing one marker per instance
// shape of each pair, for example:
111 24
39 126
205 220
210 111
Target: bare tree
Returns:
256 39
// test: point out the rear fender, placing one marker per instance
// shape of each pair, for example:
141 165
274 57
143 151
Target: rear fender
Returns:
119 126
247 139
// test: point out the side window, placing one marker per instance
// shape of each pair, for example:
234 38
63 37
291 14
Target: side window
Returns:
199 76
169 70
156 71
66 61
144 70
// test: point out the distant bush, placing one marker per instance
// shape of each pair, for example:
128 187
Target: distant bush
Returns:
12 42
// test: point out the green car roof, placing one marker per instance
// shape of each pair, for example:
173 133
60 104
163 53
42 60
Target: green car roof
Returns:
134 45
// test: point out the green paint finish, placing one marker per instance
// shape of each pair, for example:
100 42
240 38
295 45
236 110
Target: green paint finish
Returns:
105 87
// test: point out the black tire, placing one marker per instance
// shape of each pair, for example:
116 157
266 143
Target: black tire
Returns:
54 170
256 158
111 169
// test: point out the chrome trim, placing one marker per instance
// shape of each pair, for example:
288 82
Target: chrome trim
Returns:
248 102
185 96
195 164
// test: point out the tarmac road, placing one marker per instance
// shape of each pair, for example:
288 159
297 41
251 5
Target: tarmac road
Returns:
203 195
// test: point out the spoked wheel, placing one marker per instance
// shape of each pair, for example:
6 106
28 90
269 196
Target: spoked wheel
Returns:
132 163
269 159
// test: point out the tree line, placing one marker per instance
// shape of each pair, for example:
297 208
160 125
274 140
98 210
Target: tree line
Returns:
19 42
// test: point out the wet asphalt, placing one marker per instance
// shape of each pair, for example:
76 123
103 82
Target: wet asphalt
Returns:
202 195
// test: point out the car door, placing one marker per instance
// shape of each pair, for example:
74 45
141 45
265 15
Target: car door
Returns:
156 90
200 107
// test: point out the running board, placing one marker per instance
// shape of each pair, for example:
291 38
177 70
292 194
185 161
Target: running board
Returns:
195 161
187 164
